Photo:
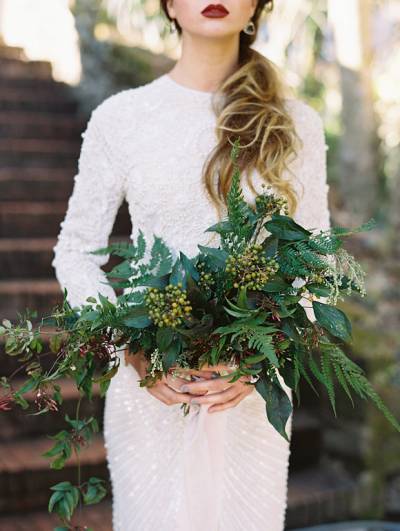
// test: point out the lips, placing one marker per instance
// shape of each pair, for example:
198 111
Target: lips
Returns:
215 11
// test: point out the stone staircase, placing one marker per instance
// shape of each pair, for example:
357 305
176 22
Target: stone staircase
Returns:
39 148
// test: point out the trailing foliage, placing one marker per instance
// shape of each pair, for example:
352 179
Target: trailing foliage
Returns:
242 305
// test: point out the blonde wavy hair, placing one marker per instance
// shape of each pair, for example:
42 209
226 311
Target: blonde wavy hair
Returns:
250 104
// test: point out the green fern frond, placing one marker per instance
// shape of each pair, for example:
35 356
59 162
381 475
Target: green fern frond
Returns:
300 356
309 257
261 340
290 264
315 369
161 259
342 381
324 243
356 378
127 250
327 373
343 231
239 212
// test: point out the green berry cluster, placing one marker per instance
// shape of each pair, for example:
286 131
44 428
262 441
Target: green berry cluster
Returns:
206 280
168 307
317 278
251 268
271 203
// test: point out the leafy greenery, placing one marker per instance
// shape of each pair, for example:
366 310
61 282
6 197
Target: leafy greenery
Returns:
244 304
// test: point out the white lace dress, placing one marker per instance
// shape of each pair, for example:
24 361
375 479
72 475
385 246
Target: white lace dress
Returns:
225 471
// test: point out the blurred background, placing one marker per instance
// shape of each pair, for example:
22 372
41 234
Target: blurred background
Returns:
58 60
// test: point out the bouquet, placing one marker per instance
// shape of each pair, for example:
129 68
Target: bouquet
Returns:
243 304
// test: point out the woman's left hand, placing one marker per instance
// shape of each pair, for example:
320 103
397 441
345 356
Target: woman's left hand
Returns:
220 393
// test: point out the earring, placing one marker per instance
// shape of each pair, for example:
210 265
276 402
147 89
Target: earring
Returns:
250 28
172 26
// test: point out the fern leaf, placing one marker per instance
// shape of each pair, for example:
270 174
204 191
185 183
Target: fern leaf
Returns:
261 340
342 381
303 371
326 371
357 379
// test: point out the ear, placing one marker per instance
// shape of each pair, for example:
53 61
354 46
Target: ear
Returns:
170 8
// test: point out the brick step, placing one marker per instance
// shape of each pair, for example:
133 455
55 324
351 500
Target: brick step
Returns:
98 517
16 424
40 219
38 160
325 494
26 476
27 147
24 124
37 84
35 294
36 185
15 68
306 437
17 295
31 258
12 52
23 99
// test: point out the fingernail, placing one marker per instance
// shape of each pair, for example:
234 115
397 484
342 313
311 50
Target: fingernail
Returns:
184 388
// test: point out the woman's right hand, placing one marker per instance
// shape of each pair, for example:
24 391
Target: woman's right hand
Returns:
165 389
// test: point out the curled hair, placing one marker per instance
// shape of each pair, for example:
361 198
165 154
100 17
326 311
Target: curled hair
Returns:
251 105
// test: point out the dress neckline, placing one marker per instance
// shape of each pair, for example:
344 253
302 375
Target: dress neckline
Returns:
183 89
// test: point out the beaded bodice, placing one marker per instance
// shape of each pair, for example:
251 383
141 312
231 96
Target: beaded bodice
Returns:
148 145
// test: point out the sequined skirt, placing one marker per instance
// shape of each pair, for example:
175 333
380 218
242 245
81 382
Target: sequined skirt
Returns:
149 458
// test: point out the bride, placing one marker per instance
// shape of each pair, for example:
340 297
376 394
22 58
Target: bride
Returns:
165 148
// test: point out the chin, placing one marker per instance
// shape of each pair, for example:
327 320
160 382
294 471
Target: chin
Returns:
215 30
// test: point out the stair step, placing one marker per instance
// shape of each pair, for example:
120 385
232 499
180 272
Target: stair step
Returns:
306 439
98 517
38 153
12 52
15 68
32 152
23 99
37 84
320 495
40 219
31 258
17 424
36 185
18 295
21 258
39 160
24 124
34 146
26 476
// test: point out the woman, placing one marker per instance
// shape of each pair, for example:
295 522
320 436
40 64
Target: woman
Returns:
165 147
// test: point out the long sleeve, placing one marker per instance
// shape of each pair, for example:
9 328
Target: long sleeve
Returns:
98 192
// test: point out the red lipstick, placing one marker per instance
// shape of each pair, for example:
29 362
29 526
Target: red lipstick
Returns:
215 11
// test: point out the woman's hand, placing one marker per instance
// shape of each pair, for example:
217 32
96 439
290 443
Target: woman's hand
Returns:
167 389
220 393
